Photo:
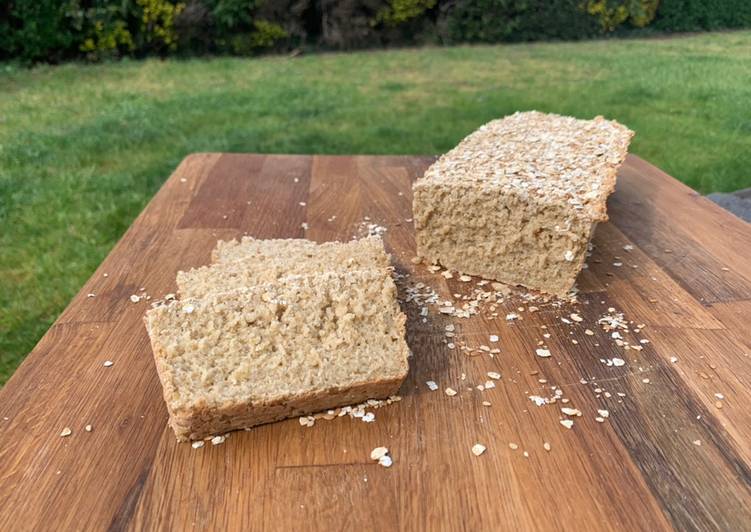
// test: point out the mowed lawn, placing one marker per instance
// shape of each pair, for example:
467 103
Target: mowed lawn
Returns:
84 147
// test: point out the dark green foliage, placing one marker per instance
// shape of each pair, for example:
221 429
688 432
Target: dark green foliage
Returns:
515 20
35 30
698 15
54 30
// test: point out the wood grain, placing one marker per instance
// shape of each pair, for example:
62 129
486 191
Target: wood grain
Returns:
667 457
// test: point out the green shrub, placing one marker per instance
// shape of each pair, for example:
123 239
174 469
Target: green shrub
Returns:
400 11
698 15
613 13
36 30
515 20
55 30
157 30
105 31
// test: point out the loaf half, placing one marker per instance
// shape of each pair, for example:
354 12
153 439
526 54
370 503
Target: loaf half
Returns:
518 200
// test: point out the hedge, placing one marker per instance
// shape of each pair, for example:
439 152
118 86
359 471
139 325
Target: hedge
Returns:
57 30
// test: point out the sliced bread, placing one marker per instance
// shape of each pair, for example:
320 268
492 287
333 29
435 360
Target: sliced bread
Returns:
251 262
255 355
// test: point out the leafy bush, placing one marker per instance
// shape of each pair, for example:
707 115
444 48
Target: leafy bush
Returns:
515 20
157 30
613 13
36 30
698 15
55 30
105 31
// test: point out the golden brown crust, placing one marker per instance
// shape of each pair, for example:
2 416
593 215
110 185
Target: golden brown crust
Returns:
203 422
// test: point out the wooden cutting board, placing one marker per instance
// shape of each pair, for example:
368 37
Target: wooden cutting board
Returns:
674 451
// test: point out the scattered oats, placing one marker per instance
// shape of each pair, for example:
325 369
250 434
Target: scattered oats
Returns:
169 297
513 446
183 180
197 444
645 381
697 443
673 359
385 461
378 452
485 348
628 247
576 318
546 446
465 278
617 264
66 432
90 295
600 419
432 385
450 392
618 362
217 440
489 384
571 411
486 403
603 413
303 204
135 299
526 454
108 363
539 401
512 316
493 338
725 269
494 375
543 353
447 274
719 396
304 225
478 449
88 428
188 309
568 423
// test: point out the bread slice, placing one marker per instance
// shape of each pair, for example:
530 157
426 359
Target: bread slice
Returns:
255 355
518 200
251 262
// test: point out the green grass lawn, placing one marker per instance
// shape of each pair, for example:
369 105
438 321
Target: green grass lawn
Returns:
83 148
